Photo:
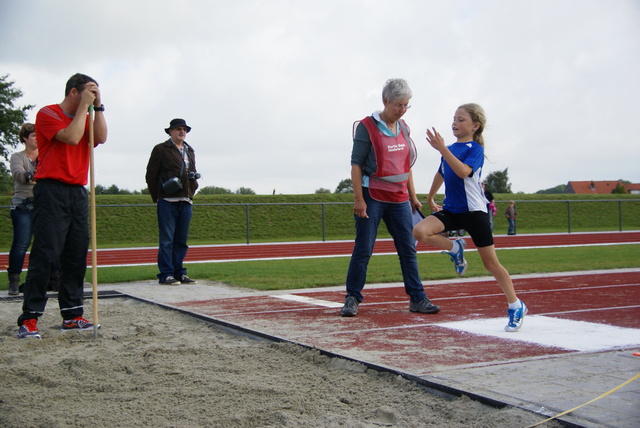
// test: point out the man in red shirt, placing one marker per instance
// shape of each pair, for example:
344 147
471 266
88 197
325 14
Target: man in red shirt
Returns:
60 217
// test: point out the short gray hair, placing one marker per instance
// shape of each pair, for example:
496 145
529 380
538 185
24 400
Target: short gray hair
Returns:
396 89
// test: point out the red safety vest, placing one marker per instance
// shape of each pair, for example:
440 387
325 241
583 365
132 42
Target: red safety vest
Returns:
394 157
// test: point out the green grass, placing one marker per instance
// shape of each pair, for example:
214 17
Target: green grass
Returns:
310 273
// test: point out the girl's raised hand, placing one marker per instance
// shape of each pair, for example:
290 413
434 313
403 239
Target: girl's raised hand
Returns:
435 139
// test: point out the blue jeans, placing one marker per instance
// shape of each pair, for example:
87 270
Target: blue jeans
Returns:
397 218
491 219
512 227
173 227
22 221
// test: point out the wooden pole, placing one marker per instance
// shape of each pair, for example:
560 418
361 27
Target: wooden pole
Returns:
92 215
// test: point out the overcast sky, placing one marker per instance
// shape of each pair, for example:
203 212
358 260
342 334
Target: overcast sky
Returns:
272 88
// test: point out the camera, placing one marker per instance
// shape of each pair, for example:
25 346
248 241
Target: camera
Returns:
194 175
172 185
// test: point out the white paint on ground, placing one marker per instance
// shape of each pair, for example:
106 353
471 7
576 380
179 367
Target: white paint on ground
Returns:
307 300
557 332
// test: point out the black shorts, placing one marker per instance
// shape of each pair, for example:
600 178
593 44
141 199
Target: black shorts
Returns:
477 223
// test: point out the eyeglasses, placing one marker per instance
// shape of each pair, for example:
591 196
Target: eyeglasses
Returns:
401 106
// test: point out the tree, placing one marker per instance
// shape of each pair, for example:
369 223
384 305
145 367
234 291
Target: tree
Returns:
619 190
560 188
245 191
345 186
6 182
11 117
114 190
214 190
498 182
322 190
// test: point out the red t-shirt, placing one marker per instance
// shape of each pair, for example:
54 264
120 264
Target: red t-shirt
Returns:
58 160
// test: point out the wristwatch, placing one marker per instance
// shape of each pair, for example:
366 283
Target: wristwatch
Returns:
101 108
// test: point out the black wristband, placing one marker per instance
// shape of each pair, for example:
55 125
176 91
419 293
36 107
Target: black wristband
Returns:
101 108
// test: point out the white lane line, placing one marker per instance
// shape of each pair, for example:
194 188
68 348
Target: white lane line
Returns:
307 300
556 332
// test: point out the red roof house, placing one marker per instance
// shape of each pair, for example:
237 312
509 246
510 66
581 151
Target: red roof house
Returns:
600 187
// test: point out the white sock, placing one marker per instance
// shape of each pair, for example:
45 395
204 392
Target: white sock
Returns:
515 305
455 248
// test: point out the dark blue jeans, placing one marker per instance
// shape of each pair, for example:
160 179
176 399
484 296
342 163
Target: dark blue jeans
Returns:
173 228
512 227
22 221
397 218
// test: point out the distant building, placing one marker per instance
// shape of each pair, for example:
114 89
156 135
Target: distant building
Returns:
601 187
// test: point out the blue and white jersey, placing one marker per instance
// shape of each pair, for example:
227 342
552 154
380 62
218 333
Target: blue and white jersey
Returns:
464 195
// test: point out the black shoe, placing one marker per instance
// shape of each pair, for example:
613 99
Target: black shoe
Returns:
170 280
14 279
350 308
424 306
184 279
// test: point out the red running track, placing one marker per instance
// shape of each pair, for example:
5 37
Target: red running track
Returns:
234 252
387 334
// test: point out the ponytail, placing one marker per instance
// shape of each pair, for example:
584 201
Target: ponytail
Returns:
477 116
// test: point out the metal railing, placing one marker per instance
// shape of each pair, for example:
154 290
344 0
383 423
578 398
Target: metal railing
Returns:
580 209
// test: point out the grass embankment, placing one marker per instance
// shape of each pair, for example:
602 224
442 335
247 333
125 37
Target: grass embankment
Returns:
130 220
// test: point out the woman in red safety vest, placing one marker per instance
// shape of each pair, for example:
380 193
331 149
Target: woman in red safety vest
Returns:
383 189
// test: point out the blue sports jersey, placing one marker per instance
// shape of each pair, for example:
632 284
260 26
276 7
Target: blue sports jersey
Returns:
464 195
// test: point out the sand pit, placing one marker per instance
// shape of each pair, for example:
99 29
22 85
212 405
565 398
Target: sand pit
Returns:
159 368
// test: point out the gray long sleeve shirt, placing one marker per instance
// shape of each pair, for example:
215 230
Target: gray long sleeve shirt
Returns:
21 165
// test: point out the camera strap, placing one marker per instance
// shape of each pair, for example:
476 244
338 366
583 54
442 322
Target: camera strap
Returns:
182 159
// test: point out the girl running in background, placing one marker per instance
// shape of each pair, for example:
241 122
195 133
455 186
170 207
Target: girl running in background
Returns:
465 206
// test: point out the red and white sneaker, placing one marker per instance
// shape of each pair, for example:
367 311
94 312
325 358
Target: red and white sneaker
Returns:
29 328
78 323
